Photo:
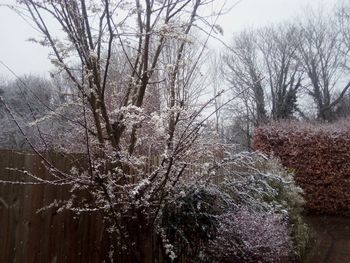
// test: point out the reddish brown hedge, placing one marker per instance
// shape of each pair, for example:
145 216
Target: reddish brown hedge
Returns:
319 157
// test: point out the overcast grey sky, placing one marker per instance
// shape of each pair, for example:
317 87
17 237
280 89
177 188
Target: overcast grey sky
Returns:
24 57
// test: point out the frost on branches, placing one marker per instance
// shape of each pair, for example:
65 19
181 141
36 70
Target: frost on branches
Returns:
134 71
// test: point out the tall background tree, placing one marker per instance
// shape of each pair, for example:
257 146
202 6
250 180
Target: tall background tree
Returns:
321 50
294 70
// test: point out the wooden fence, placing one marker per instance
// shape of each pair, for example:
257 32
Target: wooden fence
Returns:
48 237
29 236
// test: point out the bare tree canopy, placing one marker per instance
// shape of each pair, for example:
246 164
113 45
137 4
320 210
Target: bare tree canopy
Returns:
321 50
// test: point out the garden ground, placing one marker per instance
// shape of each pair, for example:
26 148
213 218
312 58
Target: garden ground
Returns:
332 240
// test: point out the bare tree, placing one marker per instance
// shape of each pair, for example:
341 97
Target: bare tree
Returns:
263 71
265 61
342 19
243 70
104 52
321 51
278 46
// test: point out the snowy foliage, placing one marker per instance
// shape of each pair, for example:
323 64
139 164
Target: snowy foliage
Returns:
253 214
261 183
250 236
